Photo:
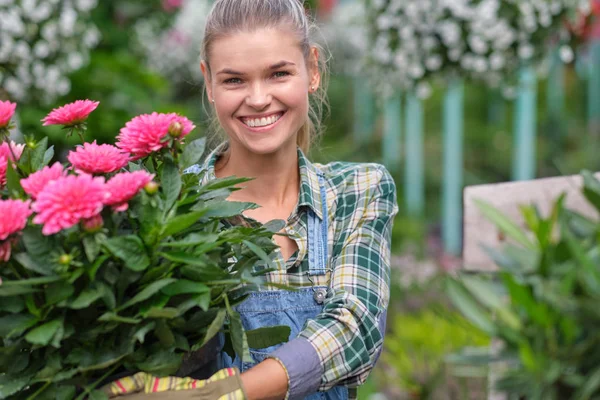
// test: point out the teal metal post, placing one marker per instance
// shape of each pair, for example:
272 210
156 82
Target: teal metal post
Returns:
364 111
453 167
594 88
555 96
414 180
525 126
392 132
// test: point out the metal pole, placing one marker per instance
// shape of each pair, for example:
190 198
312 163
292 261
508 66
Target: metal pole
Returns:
414 171
525 126
453 167
392 132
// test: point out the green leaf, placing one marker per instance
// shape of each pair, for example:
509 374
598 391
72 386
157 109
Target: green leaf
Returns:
192 153
214 328
183 286
12 385
48 154
238 337
13 182
12 305
193 239
91 247
161 363
225 209
170 184
164 333
591 385
32 281
468 307
260 253
221 183
12 325
275 225
166 313
37 155
262 338
147 292
57 292
181 223
43 334
140 334
591 188
131 250
113 317
9 291
29 263
86 297
96 265
507 226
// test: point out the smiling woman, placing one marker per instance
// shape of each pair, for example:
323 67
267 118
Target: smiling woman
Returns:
265 83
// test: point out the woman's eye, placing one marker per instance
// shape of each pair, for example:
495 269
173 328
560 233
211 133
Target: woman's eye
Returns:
234 81
281 74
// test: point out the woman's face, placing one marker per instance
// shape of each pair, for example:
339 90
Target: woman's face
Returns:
260 82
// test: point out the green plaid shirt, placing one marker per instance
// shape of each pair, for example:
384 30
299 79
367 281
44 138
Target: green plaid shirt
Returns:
361 203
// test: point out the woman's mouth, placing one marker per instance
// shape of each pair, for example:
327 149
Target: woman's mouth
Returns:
262 123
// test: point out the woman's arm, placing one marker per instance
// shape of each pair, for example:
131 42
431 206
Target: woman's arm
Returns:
266 381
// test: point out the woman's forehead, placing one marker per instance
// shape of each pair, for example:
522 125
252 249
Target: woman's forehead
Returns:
260 48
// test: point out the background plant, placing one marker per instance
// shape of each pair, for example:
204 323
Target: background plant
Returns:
542 304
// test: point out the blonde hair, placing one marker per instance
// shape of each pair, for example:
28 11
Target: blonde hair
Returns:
229 16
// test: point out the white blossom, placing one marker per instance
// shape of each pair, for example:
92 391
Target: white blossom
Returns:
41 41
415 40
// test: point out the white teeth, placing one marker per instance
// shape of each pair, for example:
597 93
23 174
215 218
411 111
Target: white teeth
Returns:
260 122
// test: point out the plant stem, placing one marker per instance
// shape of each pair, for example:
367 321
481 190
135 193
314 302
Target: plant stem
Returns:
93 385
39 391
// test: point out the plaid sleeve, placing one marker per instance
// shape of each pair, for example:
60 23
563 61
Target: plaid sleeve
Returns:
348 334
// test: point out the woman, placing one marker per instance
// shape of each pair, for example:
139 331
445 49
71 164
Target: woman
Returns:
264 81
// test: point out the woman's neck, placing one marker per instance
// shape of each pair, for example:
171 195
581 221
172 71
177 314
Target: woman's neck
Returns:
276 176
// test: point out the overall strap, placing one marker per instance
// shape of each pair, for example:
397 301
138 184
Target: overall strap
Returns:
317 235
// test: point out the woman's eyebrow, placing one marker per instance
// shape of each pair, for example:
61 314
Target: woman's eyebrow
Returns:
280 64
229 72
277 65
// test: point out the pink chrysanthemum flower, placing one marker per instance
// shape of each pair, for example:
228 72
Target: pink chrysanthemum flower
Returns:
95 158
144 134
7 153
71 114
36 182
14 217
124 186
7 109
67 200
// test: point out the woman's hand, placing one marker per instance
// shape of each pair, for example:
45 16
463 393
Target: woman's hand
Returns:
226 384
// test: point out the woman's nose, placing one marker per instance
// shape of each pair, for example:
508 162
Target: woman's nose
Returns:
258 97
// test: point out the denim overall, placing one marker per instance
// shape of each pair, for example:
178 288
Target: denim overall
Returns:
283 307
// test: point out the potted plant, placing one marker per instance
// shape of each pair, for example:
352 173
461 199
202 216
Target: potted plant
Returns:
118 261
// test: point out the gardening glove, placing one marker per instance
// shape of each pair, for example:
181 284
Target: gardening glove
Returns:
225 384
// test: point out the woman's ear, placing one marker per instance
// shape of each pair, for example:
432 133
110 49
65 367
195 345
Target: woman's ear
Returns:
313 70
207 82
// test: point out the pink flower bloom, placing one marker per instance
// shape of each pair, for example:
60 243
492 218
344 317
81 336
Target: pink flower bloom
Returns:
71 114
144 134
14 217
93 224
7 109
67 200
93 158
124 186
171 5
36 182
5 155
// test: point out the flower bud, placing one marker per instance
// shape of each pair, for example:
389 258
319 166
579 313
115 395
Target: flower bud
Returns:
151 187
65 259
94 224
175 129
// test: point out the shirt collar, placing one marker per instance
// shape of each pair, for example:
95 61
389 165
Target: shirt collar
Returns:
310 191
